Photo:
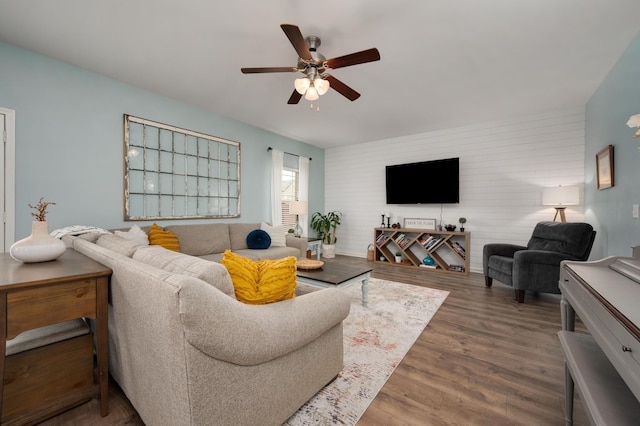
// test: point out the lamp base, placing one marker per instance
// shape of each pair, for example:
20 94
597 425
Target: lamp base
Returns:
297 231
560 211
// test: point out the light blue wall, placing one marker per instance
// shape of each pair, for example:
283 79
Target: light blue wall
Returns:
69 142
607 112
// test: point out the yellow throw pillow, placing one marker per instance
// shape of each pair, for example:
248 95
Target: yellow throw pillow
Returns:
166 239
262 281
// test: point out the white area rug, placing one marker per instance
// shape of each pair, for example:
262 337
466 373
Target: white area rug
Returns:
376 338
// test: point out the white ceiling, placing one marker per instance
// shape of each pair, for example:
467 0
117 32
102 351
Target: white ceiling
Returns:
445 63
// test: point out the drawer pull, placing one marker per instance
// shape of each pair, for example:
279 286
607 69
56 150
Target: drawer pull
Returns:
626 349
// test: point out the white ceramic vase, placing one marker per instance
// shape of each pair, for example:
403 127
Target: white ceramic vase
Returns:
39 246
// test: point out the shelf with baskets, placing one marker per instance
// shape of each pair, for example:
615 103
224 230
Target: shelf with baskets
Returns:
440 251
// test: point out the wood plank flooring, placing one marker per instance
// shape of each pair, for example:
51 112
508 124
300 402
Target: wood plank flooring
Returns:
482 360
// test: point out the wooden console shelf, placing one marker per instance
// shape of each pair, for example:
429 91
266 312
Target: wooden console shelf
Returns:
449 250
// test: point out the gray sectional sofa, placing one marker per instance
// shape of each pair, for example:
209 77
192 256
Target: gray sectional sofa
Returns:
186 352
209 241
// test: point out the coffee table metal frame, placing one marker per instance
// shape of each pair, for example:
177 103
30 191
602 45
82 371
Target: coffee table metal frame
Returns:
344 280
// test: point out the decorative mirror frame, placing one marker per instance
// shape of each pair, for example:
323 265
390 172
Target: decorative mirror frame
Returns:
175 173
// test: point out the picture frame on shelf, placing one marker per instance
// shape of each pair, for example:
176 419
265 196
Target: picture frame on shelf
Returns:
604 167
419 223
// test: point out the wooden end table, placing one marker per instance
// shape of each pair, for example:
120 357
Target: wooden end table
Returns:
34 295
333 274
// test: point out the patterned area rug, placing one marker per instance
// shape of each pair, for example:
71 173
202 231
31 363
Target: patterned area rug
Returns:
376 338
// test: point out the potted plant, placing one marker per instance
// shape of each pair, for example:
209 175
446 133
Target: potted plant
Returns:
462 221
398 257
325 225
39 246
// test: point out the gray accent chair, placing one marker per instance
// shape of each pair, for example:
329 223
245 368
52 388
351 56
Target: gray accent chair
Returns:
536 266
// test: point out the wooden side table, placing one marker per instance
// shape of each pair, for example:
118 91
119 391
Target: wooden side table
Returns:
38 294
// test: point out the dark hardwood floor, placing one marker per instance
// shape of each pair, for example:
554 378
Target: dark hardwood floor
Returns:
482 360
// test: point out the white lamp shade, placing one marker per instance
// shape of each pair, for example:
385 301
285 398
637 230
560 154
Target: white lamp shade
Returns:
298 207
560 196
312 94
301 85
321 85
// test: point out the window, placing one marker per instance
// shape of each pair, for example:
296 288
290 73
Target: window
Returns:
290 184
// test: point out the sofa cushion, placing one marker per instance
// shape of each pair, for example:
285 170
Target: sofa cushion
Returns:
179 263
166 239
201 239
263 281
258 240
118 244
238 235
277 234
270 253
134 234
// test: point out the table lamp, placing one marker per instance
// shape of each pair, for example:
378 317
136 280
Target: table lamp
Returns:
560 197
298 208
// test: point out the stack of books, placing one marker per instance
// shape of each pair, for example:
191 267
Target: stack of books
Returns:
381 239
456 268
459 249
402 240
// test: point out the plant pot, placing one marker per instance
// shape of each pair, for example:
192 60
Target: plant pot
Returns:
328 251
398 259
39 246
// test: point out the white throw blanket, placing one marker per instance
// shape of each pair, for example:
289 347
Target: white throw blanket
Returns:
77 230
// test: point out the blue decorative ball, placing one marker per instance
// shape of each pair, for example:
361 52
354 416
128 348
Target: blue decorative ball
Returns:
428 261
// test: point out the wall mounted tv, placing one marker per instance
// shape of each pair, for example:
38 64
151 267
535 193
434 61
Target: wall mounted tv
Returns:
427 182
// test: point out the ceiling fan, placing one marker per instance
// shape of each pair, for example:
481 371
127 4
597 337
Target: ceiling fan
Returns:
314 66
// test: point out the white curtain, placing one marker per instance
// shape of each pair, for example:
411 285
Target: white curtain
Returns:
303 191
277 158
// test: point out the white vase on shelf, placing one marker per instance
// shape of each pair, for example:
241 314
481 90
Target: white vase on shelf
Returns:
39 246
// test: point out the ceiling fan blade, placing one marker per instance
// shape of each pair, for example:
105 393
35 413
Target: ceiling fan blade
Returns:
362 57
341 88
267 69
295 98
297 40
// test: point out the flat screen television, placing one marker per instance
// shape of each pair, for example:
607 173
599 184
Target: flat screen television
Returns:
426 182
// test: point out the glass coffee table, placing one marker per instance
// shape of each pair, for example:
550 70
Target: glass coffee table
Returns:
337 275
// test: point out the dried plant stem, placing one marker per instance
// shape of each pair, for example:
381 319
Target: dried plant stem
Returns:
41 207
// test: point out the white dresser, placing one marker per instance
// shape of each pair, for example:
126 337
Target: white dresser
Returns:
604 364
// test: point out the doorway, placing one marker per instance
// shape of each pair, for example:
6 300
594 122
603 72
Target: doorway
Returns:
7 177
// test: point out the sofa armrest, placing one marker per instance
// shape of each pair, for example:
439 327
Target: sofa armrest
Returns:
541 257
538 270
299 243
500 249
234 332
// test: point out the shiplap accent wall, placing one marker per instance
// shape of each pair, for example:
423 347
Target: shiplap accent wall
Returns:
503 167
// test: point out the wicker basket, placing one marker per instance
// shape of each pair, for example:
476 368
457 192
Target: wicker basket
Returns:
370 252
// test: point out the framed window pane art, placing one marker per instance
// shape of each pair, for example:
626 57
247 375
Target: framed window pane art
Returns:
174 173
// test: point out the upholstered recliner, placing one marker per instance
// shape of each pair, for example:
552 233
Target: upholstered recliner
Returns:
536 266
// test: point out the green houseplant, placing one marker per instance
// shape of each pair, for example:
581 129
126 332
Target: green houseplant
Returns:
325 225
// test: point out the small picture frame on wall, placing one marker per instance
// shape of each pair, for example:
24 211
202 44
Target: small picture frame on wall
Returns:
604 167
419 223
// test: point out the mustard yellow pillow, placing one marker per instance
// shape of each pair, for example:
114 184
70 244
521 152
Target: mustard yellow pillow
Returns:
166 239
263 281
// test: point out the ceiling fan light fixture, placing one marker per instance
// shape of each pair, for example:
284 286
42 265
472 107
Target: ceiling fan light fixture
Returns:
312 94
321 85
302 84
